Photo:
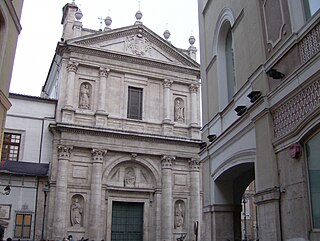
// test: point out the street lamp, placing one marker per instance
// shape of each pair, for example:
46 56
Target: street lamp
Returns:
6 191
45 189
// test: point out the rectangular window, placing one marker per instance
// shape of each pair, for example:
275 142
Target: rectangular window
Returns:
23 226
134 103
311 7
11 146
313 157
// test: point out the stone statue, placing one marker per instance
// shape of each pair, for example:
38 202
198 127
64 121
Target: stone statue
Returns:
178 216
76 213
84 102
179 110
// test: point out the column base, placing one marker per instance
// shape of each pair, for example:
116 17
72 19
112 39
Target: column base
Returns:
68 115
167 128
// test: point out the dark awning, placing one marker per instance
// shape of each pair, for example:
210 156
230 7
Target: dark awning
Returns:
24 168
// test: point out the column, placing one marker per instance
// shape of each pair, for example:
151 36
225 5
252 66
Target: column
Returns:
194 110
72 69
60 205
95 197
166 100
195 202
104 73
166 202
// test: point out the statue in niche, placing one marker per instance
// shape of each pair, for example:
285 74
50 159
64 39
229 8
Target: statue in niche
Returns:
178 109
130 177
76 213
179 215
84 101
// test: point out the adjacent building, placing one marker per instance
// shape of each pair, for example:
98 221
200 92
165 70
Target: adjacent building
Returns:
126 136
260 111
10 27
26 157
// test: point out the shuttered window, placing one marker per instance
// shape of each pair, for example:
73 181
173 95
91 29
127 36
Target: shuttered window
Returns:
135 103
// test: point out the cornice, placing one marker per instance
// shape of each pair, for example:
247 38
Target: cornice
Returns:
71 128
129 59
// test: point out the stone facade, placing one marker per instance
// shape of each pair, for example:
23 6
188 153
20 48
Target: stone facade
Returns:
104 156
263 131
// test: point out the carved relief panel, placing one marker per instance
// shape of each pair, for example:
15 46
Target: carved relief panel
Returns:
132 175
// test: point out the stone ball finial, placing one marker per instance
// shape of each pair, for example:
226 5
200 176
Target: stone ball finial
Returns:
78 14
166 34
192 40
108 21
138 15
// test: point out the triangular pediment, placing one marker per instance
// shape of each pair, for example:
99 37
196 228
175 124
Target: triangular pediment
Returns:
136 40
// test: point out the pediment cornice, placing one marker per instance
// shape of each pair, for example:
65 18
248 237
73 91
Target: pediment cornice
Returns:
128 59
134 30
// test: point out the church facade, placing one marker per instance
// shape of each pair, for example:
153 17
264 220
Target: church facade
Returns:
126 138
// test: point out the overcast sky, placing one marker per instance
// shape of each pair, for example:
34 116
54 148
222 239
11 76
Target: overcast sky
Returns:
42 29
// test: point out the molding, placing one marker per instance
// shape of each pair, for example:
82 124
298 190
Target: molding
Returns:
14 15
4 100
275 41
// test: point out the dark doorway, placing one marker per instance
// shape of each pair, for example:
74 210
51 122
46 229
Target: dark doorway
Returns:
127 221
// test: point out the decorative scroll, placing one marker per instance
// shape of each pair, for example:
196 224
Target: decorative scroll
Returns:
289 115
310 44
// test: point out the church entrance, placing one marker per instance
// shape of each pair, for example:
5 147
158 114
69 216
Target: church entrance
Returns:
127 221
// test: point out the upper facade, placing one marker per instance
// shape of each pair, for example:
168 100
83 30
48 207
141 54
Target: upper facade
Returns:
126 79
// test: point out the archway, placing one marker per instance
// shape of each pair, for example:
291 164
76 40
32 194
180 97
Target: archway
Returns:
230 187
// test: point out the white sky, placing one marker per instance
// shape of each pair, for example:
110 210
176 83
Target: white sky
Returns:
41 30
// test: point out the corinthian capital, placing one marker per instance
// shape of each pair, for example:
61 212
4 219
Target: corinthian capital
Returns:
194 164
166 161
97 155
193 87
167 83
72 67
104 72
64 152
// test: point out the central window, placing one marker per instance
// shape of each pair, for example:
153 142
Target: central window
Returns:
11 147
134 103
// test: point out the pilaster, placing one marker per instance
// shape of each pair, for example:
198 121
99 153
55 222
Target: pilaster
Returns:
195 202
59 218
72 68
166 202
95 197
166 100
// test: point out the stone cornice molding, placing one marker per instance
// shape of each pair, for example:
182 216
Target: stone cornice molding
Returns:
130 59
64 152
72 128
4 100
193 88
72 66
167 83
104 72
97 155
194 164
166 161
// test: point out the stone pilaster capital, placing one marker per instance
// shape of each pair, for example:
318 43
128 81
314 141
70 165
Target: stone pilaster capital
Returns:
104 72
166 161
97 155
64 152
167 83
193 88
72 66
194 164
